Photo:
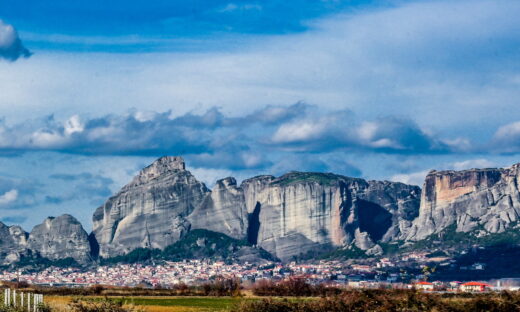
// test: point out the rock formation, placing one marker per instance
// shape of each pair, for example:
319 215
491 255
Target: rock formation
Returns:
288 216
151 211
223 211
297 214
487 200
54 239
13 243
61 237
301 213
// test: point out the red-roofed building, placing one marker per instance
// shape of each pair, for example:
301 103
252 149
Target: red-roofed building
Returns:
424 285
475 287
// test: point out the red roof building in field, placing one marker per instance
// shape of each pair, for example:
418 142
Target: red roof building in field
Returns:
475 287
424 285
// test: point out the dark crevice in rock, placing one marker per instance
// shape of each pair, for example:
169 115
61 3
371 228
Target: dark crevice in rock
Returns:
254 225
373 219
94 246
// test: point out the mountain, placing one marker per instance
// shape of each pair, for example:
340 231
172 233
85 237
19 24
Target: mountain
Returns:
166 213
60 236
480 201
290 216
307 213
151 211
53 240
13 243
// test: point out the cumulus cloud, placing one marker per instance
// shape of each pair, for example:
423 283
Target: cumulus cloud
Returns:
338 130
473 163
414 178
108 135
417 177
214 139
17 193
11 47
9 197
507 139
268 115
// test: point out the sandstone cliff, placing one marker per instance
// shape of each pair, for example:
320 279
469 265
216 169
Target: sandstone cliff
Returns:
484 200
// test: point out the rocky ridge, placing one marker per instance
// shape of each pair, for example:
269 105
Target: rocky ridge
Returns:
483 200
290 216
299 214
54 239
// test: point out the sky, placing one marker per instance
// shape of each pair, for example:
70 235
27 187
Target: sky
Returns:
92 91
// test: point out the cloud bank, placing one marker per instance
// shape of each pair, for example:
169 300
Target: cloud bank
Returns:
295 128
216 140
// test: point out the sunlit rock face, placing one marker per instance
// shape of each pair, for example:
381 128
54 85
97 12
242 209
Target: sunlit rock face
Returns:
59 238
293 215
151 211
13 243
487 200
304 213
224 210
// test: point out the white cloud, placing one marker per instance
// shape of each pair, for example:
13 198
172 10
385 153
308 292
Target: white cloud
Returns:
473 163
298 131
506 139
232 7
73 125
7 35
412 59
414 178
9 197
417 178
210 176
11 47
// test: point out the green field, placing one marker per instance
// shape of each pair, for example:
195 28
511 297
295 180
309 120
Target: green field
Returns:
160 304
202 303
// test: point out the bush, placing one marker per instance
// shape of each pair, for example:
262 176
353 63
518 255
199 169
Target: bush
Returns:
294 287
389 300
79 305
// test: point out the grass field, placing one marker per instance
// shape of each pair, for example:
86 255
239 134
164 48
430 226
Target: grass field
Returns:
162 304
186 303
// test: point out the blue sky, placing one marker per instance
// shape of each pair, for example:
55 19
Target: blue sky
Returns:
92 91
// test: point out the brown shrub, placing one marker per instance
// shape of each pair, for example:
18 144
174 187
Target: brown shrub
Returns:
389 301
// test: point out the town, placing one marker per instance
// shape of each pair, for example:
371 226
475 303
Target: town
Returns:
382 274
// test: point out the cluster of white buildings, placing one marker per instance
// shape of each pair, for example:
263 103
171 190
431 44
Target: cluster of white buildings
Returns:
194 272
171 273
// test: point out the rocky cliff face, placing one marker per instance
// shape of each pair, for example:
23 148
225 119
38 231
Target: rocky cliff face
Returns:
302 213
288 216
61 237
224 210
296 214
54 239
13 243
151 211
487 200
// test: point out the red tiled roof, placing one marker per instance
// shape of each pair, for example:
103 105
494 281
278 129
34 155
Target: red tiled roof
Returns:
476 284
424 283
